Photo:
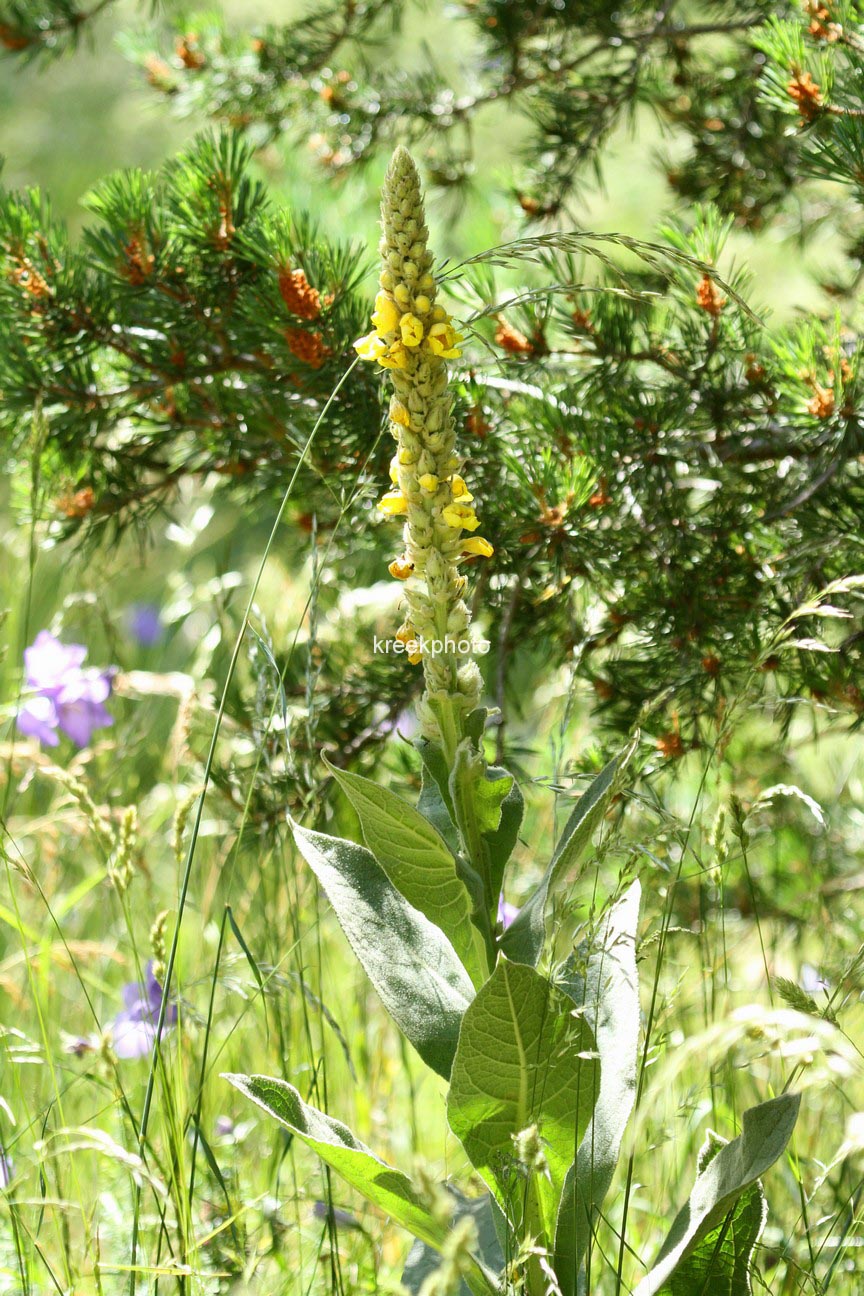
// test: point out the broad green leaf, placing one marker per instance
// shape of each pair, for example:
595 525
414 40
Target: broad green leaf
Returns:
490 785
475 725
502 840
436 767
422 1261
524 938
488 808
720 1264
735 1168
608 991
419 864
522 1062
433 808
409 960
379 1183
431 805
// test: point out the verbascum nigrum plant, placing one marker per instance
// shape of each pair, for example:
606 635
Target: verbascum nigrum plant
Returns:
538 1044
413 337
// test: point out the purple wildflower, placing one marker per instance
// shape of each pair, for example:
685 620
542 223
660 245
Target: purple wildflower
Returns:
134 1029
6 1169
144 623
506 913
66 694
341 1218
48 663
38 719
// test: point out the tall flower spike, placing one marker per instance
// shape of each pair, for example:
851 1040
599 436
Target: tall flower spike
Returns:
414 338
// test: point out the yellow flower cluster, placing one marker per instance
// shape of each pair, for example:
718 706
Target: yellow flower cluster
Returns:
413 338
455 512
396 333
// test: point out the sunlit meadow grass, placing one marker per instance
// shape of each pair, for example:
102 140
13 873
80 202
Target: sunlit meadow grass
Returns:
264 981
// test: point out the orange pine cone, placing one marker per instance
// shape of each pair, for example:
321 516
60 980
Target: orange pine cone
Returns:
299 295
308 347
511 339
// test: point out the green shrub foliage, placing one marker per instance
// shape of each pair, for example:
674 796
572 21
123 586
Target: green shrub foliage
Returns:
667 473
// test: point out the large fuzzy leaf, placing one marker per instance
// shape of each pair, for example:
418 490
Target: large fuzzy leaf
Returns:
409 960
380 1183
720 1264
523 940
524 1059
607 989
419 863
387 1188
717 1190
432 805
436 771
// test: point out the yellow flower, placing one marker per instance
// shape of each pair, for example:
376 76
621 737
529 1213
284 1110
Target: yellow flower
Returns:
396 357
422 304
411 329
400 568
460 515
394 470
370 347
477 545
408 635
393 503
399 414
443 341
405 457
460 490
386 315
429 482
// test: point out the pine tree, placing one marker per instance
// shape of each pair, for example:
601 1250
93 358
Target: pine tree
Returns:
667 475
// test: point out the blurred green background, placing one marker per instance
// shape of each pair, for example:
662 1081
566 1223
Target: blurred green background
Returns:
68 124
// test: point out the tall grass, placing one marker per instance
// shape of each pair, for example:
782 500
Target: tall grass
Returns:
142 1175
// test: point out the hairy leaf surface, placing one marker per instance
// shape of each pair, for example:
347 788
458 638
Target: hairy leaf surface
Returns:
524 1059
423 1261
734 1169
720 1264
380 1183
418 862
609 993
523 940
409 960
